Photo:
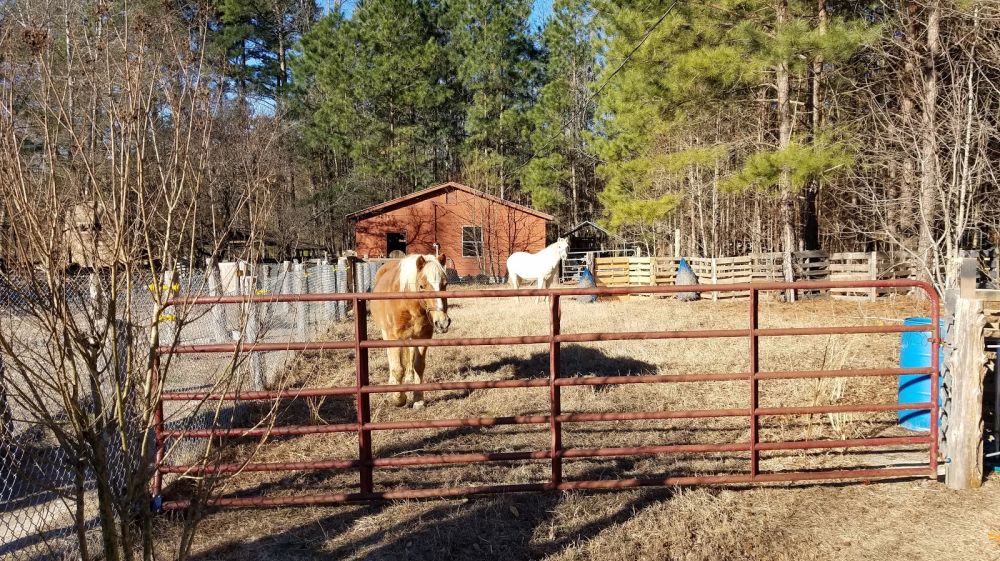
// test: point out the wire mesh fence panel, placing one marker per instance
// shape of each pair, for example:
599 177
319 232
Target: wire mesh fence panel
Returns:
39 484
259 322
41 481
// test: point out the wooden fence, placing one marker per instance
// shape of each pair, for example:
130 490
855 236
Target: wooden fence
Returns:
762 267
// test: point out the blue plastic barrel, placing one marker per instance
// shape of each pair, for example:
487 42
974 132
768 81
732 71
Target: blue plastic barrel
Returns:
915 352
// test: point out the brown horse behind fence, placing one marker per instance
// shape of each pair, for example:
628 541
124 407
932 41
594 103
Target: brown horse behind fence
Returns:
410 319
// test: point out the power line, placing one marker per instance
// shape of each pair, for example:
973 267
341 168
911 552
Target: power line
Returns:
638 45
590 98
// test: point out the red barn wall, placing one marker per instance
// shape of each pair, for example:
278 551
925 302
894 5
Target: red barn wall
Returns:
439 218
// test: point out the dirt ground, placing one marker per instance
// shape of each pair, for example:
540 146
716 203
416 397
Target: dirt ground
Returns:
911 519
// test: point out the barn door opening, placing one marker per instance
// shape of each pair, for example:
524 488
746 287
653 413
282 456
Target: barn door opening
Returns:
395 241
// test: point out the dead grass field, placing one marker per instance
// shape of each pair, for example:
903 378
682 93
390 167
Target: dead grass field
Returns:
915 519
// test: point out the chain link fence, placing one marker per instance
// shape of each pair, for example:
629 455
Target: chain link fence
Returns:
39 482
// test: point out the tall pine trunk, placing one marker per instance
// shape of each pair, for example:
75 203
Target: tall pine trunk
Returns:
787 204
929 176
810 214
902 223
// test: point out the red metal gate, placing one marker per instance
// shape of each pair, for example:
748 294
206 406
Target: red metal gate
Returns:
365 463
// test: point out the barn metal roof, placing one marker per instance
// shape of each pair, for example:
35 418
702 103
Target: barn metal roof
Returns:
400 201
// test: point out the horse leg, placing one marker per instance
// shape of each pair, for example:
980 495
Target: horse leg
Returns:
515 283
541 285
416 374
396 372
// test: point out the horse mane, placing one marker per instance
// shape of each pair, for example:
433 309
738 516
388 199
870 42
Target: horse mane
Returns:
409 274
552 248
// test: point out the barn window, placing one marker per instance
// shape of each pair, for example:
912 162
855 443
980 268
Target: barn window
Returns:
472 241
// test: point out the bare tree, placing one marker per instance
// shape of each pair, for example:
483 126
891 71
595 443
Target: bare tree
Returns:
110 160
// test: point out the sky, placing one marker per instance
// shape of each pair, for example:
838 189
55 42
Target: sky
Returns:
539 10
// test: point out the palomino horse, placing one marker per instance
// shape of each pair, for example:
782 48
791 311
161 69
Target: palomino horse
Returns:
536 267
410 319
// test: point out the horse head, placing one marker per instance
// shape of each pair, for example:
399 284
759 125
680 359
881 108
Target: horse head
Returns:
431 277
562 246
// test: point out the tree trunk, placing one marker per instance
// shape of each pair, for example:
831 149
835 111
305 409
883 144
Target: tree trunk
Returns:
810 214
787 206
929 177
575 207
906 218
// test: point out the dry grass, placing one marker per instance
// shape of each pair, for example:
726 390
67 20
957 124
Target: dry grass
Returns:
787 522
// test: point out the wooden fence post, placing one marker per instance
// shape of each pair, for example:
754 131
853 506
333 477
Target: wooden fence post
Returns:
283 285
873 274
300 286
789 273
715 276
342 274
252 332
219 331
352 277
968 277
965 415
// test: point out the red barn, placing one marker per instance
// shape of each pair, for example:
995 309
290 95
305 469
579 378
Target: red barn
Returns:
476 231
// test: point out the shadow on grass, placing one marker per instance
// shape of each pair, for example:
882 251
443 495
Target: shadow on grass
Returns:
575 360
519 526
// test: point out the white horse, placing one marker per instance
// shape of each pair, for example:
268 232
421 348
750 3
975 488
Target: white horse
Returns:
536 267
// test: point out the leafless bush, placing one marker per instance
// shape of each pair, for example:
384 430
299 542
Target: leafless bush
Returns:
110 164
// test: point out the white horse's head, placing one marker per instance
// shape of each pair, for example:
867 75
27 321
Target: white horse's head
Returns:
562 247
425 273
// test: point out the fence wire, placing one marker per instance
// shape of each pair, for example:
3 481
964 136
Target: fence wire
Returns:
39 482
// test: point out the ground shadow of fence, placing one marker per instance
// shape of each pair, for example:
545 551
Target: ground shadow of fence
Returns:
482 528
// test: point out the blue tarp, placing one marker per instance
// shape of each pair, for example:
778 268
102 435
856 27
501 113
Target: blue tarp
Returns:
586 281
686 276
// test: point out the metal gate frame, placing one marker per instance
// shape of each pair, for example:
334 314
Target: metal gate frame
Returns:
365 463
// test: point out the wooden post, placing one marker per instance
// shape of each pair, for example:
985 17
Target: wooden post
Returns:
873 274
283 285
218 311
334 305
968 276
789 273
300 286
652 271
965 415
715 276
252 332
342 287
352 276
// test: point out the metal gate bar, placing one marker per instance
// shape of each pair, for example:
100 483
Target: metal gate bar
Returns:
362 391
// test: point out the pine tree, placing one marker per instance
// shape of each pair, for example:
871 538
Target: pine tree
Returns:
257 37
559 177
377 100
497 66
723 77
